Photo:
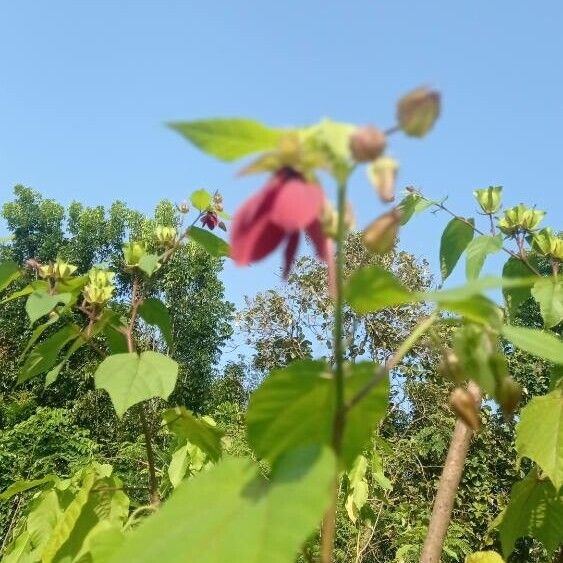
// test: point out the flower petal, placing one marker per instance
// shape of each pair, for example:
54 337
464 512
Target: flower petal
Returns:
296 205
289 255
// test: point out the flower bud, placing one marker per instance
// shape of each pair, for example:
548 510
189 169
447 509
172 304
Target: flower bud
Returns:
99 288
489 198
210 220
183 207
59 270
382 174
367 143
418 111
520 218
450 367
464 405
133 252
381 235
508 393
546 242
166 236
217 198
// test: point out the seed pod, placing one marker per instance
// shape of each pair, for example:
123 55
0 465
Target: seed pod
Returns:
464 405
382 174
418 111
508 393
381 235
450 367
367 143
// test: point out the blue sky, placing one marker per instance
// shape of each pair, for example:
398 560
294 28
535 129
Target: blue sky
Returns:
86 88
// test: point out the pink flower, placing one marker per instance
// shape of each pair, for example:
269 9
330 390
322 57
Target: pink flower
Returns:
210 220
276 215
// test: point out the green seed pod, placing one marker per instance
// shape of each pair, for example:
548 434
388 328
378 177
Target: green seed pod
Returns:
489 198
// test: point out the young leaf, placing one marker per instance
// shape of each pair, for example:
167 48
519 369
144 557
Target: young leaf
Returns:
412 204
215 245
234 514
229 139
201 199
540 343
515 296
455 238
535 510
196 430
549 294
148 263
40 303
477 251
44 356
131 378
373 288
21 486
154 312
9 272
539 434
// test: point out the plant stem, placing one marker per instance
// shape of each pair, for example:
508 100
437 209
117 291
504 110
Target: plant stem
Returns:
447 487
329 521
136 300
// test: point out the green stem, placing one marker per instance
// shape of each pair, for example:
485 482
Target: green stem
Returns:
329 521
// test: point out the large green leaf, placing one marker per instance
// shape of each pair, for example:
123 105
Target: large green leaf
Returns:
535 510
477 251
231 513
476 308
9 272
455 238
44 356
549 294
539 434
373 288
215 245
295 406
154 312
21 486
53 374
201 199
132 378
195 429
40 303
148 263
229 139
540 343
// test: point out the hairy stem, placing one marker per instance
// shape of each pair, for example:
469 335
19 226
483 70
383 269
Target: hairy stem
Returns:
329 521
447 487
136 300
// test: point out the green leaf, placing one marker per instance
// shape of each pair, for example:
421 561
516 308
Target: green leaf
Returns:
333 136
484 557
476 308
54 373
37 332
231 513
196 430
412 204
9 272
21 486
455 238
178 465
148 263
44 356
17 294
515 296
154 312
477 251
115 340
201 199
374 288
229 139
540 343
214 245
535 510
131 378
40 303
64 526
549 294
20 550
539 434
304 391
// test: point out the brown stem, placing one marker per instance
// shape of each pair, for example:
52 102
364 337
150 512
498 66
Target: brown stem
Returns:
136 300
480 232
447 487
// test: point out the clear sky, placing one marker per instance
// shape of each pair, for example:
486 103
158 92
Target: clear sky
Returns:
86 87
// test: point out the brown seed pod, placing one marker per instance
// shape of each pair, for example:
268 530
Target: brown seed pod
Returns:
367 143
418 111
381 235
464 405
